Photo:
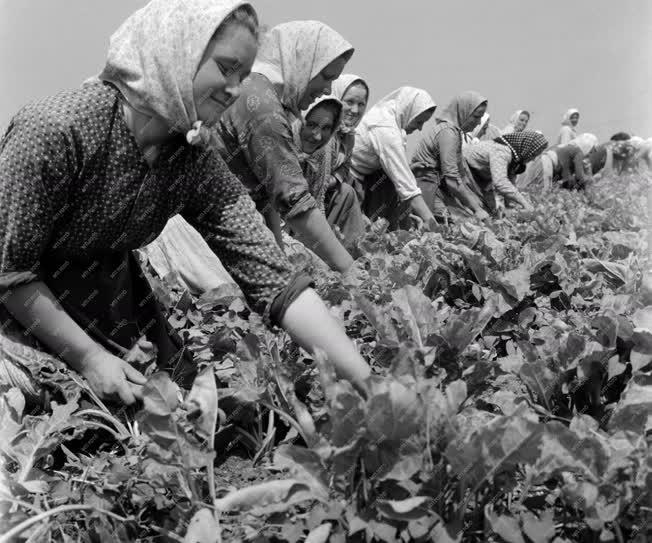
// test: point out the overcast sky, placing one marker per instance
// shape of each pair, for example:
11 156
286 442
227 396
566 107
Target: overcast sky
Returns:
595 55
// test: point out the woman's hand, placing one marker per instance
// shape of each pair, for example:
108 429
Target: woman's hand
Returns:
110 376
481 214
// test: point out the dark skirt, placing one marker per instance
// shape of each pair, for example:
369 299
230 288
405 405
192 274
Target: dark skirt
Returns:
343 211
110 298
381 201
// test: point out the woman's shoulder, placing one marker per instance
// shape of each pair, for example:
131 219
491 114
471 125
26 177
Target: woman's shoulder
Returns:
257 98
79 110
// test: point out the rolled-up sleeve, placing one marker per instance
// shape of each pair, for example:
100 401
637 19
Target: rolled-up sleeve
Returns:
450 151
499 159
225 215
273 158
388 144
35 167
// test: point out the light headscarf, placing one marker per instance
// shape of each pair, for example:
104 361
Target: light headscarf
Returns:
398 108
460 108
296 126
525 145
292 54
154 55
483 122
339 88
565 121
319 163
586 142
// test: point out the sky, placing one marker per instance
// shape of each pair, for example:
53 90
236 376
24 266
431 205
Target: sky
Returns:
595 55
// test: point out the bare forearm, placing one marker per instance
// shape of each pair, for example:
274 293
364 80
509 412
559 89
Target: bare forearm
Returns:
420 208
310 324
313 230
463 195
36 308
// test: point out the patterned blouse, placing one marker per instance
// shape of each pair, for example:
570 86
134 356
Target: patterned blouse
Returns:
74 184
255 138
489 162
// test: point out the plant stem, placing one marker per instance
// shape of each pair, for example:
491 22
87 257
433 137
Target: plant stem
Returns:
19 528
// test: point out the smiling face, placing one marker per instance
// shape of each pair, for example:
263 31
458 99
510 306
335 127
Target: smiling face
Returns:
354 104
521 122
418 122
475 118
318 127
321 83
226 63
574 119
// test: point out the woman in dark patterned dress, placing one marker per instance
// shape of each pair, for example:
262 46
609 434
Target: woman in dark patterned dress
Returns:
90 174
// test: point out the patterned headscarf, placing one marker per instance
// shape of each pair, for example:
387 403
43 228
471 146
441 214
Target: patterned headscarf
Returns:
317 166
525 145
565 121
460 108
398 108
296 126
340 86
154 56
292 54
587 142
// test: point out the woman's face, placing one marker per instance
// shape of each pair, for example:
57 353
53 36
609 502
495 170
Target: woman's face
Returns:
321 84
354 103
317 128
574 119
521 122
418 122
475 118
226 63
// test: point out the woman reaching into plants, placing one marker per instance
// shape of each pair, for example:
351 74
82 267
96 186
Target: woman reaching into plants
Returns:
90 174
296 63
311 136
379 164
341 203
495 164
438 163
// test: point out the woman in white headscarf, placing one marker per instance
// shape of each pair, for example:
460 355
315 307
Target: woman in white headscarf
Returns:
568 129
517 122
380 165
89 175
563 165
297 62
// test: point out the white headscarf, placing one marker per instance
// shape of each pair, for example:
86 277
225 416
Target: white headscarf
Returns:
154 55
511 127
586 142
566 118
292 54
339 88
398 108
483 122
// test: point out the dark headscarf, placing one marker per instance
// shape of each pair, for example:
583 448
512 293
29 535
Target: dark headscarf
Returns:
525 146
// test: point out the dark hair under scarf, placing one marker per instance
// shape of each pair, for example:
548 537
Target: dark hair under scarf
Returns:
525 146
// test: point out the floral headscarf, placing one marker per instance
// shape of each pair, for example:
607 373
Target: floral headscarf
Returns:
292 54
154 55
317 166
